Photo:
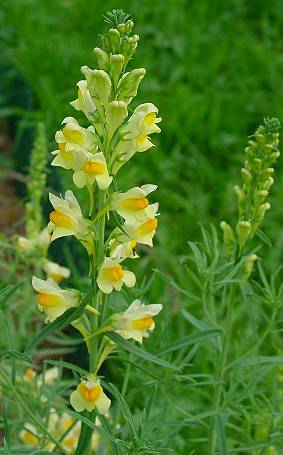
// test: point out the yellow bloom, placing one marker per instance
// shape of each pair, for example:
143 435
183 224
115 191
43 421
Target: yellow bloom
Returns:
98 83
74 141
56 271
84 101
49 376
111 275
135 134
93 169
29 436
119 250
66 219
29 375
136 322
90 395
143 231
133 205
52 300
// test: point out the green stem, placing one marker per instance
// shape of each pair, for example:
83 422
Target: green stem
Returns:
217 399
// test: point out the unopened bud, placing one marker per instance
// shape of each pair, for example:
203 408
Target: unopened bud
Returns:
102 58
129 84
249 265
99 84
244 229
114 38
228 237
267 183
117 62
247 176
116 112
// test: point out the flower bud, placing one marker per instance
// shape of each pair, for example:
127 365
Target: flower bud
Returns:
114 38
246 175
102 58
129 84
116 112
116 66
249 265
228 237
99 84
244 229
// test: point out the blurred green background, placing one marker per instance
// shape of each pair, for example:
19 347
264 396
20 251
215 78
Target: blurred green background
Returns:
214 69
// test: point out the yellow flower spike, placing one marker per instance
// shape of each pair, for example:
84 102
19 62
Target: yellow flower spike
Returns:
111 275
133 205
136 322
93 169
52 300
90 395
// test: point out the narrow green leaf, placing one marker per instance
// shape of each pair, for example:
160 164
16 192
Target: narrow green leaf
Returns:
7 292
130 347
187 340
16 355
221 436
69 366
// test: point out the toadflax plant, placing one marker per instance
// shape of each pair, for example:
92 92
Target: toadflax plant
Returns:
117 221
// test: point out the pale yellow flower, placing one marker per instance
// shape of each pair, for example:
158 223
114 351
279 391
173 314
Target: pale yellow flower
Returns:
136 322
120 250
67 219
74 141
30 375
50 376
135 134
133 205
52 300
111 275
143 231
56 271
29 436
84 101
88 396
93 169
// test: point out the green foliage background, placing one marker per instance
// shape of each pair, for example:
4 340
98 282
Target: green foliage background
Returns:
214 69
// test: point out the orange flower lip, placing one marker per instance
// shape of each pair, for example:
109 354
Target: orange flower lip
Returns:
90 394
61 220
143 324
56 277
48 300
148 226
94 168
114 273
135 203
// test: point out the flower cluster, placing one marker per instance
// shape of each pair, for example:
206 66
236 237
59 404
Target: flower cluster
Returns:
94 154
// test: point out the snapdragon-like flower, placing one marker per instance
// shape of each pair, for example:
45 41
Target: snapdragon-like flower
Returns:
84 101
133 205
67 219
143 231
112 275
120 251
136 322
88 396
93 169
135 134
73 141
29 436
56 271
53 300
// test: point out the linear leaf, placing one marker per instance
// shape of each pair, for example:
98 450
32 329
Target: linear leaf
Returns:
7 292
187 340
130 347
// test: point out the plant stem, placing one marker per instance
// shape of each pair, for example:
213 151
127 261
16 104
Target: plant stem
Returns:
217 400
